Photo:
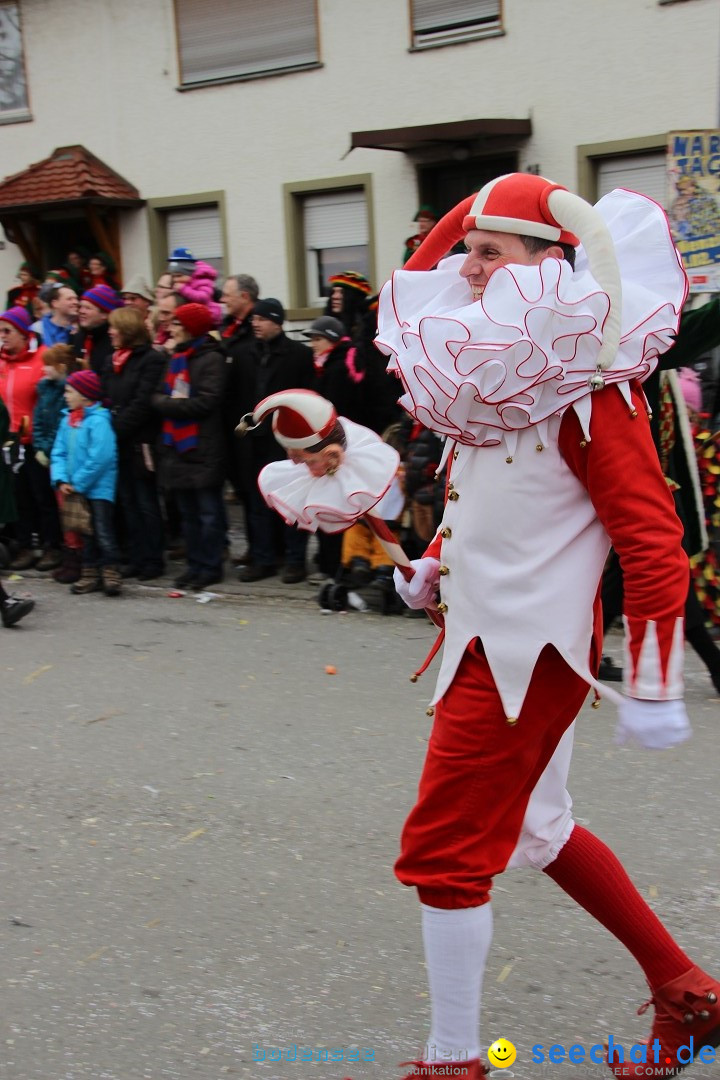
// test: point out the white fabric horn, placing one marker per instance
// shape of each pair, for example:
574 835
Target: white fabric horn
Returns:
580 217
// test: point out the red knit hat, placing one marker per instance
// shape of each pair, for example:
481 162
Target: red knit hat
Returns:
301 418
518 203
19 318
196 319
86 383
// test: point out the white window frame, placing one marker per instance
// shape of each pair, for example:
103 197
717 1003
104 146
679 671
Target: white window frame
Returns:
450 22
10 19
221 41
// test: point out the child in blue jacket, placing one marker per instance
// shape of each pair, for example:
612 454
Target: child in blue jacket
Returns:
84 460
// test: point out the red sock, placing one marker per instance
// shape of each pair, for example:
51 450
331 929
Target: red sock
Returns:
588 871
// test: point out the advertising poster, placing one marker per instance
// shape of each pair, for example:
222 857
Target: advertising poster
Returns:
693 169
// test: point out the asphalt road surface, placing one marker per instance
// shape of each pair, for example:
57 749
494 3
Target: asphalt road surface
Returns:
198 831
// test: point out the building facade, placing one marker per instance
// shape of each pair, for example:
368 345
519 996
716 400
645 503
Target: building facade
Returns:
291 138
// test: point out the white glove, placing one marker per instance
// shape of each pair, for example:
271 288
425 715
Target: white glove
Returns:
654 725
420 591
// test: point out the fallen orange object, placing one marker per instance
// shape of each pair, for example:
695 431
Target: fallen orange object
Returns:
330 670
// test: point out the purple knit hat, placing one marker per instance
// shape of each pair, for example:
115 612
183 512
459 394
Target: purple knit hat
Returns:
86 383
19 318
103 297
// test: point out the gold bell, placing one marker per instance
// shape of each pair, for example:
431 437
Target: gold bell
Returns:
442 608
443 571
446 532
596 381
583 444
453 496
429 711
413 678
595 704
539 447
508 461
511 720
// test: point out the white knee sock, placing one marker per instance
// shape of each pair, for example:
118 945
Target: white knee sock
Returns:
457 941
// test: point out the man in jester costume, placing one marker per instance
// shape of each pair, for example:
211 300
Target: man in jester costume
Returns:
528 357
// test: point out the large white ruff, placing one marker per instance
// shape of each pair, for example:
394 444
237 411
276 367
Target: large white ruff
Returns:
332 503
525 352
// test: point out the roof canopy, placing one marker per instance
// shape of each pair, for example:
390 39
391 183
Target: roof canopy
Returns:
424 135
71 175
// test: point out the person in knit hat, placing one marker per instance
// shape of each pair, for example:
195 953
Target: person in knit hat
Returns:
349 294
192 461
21 369
83 462
527 355
195 281
92 342
59 361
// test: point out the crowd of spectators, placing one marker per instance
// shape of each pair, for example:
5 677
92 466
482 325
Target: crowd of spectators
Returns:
120 452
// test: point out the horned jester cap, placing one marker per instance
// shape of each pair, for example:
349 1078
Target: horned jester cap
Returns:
301 419
543 337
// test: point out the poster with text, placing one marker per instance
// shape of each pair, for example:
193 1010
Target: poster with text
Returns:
693 169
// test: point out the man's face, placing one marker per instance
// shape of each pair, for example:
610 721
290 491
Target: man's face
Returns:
237 303
90 316
166 310
133 300
488 251
11 339
337 299
424 224
65 304
319 462
265 329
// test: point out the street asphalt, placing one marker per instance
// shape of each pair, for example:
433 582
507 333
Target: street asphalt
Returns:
201 804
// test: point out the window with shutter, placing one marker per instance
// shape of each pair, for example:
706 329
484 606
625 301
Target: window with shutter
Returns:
13 86
646 173
224 40
447 22
198 228
336 238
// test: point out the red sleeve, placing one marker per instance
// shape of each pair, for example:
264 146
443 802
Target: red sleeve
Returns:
620 469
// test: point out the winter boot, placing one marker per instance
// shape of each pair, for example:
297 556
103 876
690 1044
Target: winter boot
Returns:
24 559
89 581
687 1014
69 569
112 580
49 560
13 609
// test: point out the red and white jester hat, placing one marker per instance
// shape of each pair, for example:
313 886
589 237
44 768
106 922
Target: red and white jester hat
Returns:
529 205
301 418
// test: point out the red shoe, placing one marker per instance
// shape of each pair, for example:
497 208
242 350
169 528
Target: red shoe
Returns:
687 1006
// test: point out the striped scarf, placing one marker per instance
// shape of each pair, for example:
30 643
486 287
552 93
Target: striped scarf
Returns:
180 434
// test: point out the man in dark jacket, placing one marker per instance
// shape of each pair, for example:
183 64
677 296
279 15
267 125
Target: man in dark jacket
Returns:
92 342
239 294
275 363
192 464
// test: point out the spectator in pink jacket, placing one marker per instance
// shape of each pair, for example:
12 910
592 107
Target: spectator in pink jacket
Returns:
195 281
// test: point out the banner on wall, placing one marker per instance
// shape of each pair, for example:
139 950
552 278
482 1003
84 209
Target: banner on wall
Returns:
693 204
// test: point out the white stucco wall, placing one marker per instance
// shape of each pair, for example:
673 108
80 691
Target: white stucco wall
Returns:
104 74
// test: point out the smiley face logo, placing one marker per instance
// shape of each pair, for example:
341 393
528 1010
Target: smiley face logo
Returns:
502 1053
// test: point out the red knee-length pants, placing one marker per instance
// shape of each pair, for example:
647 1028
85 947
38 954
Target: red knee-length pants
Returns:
478 776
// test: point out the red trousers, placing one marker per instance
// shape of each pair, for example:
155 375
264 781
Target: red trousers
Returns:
478 777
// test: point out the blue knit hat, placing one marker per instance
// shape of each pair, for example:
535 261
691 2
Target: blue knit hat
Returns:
103 297
181 261
19 318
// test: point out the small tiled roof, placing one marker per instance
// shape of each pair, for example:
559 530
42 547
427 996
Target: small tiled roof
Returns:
70 174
